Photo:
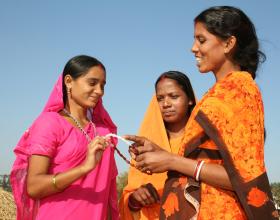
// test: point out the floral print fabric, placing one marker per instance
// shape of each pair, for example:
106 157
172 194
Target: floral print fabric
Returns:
233 107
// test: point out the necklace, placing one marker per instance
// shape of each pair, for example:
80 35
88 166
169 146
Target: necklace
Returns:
80 126
108 135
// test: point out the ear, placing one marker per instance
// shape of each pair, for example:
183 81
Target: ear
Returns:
229 44
190 102
68 81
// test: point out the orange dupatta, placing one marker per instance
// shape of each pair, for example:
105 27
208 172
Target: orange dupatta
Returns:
153 128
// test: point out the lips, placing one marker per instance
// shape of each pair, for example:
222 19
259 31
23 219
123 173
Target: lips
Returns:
93 98
169 113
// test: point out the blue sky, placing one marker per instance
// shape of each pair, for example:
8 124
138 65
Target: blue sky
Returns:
136 41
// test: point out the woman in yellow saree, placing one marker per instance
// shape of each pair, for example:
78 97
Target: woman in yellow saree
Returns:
219 172
164 124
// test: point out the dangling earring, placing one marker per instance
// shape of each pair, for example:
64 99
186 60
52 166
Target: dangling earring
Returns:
69 92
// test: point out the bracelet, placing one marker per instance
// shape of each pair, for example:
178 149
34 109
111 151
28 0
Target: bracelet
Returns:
198 169
133 205
54 182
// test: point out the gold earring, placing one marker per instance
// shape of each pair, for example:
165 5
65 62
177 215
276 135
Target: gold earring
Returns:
69 92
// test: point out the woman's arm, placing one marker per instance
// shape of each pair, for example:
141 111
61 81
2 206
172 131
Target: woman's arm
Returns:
212 174
41 184
153 158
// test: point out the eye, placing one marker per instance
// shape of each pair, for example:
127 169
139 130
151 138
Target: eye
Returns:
159 98
92 82
201 40
174 96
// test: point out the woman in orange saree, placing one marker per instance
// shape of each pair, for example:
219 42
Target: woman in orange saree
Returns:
219 172
164 124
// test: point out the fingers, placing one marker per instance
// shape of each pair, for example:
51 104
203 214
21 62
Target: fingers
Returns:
143 196
144 149
137 139
152 190
99 143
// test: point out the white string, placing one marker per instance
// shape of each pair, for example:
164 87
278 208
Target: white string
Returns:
119 137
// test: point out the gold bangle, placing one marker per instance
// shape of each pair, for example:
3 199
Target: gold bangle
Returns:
54 182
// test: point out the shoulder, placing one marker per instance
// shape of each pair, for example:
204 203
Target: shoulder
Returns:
48 121
48 118
240 81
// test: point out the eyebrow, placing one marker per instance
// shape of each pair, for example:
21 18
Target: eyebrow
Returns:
95 79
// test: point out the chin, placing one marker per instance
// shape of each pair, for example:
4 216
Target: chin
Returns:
169 120
91 105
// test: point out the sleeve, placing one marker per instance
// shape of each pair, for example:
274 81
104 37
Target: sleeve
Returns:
44 135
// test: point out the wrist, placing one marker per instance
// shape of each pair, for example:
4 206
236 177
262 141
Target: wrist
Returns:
172 162
84 170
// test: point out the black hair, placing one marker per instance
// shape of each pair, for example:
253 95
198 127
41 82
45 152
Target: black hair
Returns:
78 66
226 21
184 82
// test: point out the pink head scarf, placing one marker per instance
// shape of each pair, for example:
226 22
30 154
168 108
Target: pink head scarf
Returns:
26 207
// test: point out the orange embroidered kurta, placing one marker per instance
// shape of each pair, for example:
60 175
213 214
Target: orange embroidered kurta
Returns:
231 115
152 128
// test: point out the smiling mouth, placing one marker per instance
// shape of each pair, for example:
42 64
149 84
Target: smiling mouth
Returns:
198 60
94 98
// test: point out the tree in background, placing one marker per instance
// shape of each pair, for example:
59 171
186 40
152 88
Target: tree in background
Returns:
121 183
5 182
275 188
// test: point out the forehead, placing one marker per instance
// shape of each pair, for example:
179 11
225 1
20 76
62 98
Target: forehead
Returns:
95 72
168 85
200 29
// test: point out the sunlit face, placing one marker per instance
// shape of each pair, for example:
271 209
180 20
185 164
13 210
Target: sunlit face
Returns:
172 100
89 88
208 49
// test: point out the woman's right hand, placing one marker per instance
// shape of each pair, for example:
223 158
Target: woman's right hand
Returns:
94 153
141 145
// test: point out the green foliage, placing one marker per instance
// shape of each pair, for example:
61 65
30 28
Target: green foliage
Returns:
5 182
275 188
121 183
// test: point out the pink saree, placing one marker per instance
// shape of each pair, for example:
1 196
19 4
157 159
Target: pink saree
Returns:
52 136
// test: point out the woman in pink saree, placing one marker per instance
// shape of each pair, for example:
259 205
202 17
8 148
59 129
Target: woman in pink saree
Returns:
64 168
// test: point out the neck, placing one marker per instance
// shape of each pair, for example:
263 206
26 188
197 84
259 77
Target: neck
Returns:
225 69
77 112
175 130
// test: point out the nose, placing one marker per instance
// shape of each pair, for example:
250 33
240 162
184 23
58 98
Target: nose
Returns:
99 90
166 103
194 48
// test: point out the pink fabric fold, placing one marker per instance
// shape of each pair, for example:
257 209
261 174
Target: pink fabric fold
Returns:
52 136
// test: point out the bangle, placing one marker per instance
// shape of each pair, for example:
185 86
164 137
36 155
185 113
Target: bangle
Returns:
133 205
54 182
198 169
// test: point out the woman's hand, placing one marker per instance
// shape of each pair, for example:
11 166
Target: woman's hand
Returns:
149 157
154 162
94 153
145 195
141 145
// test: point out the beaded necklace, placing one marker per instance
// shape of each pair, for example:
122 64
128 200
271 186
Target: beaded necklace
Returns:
108 135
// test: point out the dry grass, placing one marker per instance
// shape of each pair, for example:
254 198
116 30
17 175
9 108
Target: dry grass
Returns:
7 205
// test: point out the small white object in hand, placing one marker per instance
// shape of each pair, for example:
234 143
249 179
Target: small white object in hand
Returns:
119 137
